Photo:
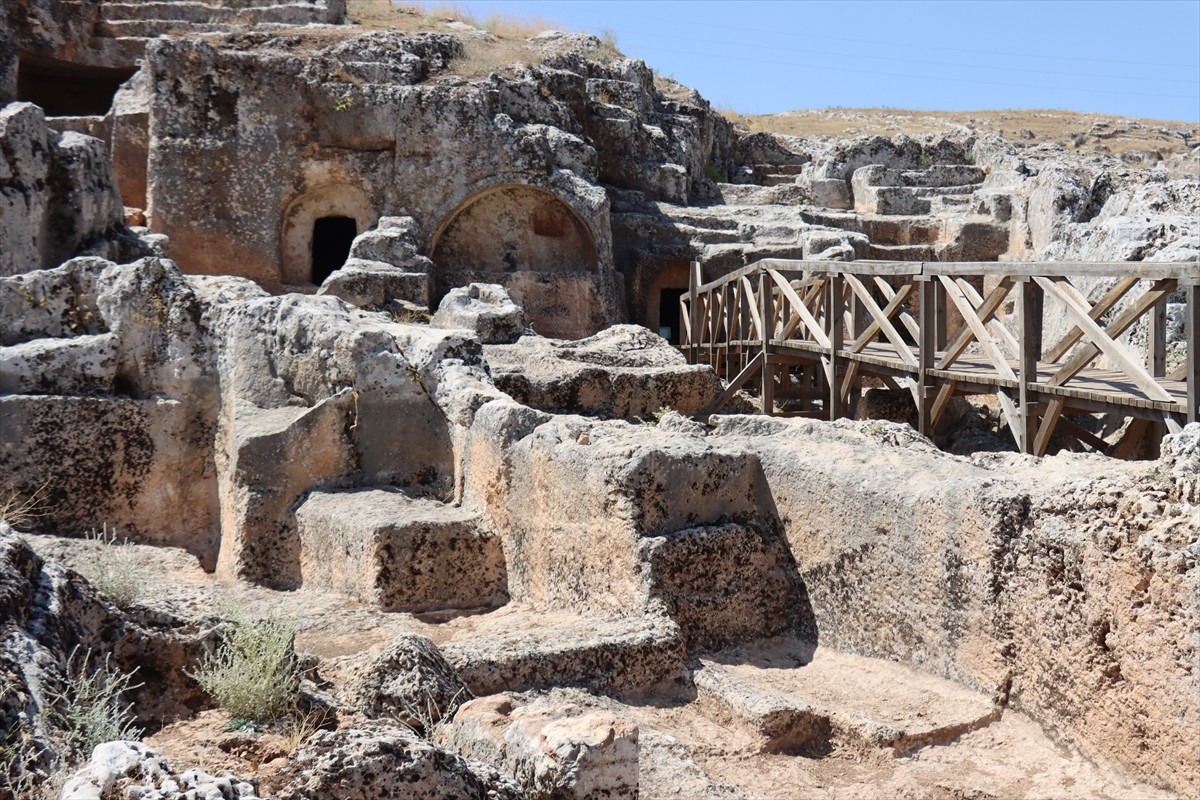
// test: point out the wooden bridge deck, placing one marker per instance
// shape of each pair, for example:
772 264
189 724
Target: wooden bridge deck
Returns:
844 322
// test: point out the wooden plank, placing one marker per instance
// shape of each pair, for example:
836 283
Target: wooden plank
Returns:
1099 310
737 383
939 313
906 319
885 325
758 311
1088 351
926 351
943 399
800 308
1192 365
985 312
811 293
1041 442
834 303
694 278
1011 417
767 387
1029 325
728 277
849 382
955 293
994 325
1062 269
1156 339
872 330
1133 436
858 267
1099 338
1083 434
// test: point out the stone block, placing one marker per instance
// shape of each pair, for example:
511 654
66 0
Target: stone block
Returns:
399 553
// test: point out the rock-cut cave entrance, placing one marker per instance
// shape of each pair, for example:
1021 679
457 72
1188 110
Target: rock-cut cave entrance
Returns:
670 322
68 90
661 310
331 240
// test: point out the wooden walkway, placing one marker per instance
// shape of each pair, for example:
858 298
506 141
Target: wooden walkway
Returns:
807 333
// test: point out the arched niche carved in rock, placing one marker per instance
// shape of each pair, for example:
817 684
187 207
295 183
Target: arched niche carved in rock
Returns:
514 228
331 201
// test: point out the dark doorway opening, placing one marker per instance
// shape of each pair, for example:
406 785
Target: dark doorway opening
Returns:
331 240
669 323
68 90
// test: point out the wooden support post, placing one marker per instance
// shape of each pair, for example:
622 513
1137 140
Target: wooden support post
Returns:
835 317
1031 347
927 349
1192 290
1156 339
939 316
766 310
694 279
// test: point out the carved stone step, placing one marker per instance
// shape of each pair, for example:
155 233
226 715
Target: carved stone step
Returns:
800 699
397 552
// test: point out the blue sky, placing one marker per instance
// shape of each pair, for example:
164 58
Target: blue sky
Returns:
1137 59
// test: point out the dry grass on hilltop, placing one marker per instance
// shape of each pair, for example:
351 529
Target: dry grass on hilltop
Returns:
1147 140
505 43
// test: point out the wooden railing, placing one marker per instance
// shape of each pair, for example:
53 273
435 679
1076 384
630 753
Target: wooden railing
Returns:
811 331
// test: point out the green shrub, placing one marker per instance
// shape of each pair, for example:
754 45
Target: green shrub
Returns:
254 673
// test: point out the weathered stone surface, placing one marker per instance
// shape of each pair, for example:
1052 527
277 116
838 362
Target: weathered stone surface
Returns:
375 285
556 751
131 769
484 308
80 365
801 699
587 509
624 371
385 268
344 398
397 552
409 682
626 655
1181 455
48 612
112 37
137 452
1058 584
381 760
59 193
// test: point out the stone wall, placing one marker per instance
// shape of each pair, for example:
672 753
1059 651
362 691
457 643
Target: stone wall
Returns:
1059 586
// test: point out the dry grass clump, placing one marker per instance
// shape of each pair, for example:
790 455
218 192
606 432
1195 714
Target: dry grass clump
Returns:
482 57
418 18
18 509
86 708
254 674
500 43
112 568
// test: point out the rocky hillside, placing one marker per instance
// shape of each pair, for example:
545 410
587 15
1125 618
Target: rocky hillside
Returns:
298 499
1143 143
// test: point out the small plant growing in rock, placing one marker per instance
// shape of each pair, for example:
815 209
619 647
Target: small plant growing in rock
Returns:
113 570
254 674
343 103
87 709
18 509
656 417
